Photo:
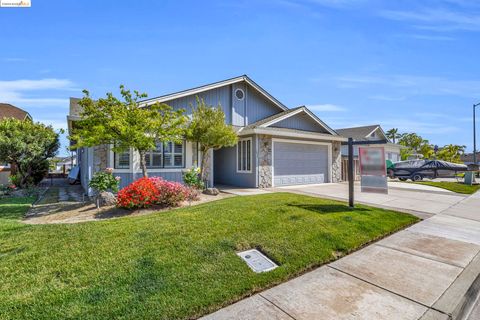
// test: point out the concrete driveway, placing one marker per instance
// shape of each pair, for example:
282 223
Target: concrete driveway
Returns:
424 201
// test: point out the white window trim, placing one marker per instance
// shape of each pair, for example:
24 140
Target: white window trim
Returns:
111 161
135 163
328 144
251 155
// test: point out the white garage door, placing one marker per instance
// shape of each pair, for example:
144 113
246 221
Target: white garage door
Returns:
298 163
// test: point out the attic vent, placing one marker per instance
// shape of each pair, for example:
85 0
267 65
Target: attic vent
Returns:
239 94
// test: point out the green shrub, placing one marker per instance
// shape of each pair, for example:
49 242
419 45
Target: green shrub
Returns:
104 181
192 178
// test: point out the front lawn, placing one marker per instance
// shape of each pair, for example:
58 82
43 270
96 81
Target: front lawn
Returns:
457 187
173 264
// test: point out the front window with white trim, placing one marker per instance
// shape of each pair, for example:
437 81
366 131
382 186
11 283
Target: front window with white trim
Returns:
244 155
154 158
174 155
166 155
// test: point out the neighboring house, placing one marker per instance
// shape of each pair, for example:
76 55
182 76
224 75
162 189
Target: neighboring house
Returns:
467 158
366 133
277 146
62 164
9 111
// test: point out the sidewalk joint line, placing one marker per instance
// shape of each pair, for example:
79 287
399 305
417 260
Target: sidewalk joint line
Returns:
274 304
388 290
416 255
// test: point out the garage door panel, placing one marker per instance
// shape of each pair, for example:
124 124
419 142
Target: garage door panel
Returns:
296 163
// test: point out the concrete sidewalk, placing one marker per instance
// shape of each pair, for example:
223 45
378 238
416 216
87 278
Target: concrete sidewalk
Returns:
423 272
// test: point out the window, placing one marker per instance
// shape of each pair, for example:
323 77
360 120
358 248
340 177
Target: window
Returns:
154 158
166 155
244 155
121 160
173 155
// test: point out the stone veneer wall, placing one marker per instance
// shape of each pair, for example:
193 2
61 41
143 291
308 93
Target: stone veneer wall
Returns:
264 161
336 162
100 157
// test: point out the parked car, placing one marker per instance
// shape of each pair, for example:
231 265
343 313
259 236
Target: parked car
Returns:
416 170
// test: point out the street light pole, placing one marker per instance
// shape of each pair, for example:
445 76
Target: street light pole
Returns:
474 135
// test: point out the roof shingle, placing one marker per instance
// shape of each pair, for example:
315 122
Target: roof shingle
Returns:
9 111
357 133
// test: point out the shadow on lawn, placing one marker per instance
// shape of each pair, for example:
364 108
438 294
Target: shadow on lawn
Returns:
327 208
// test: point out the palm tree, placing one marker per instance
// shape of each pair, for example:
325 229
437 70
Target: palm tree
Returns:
393 134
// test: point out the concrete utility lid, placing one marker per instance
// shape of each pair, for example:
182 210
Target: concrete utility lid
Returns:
257 261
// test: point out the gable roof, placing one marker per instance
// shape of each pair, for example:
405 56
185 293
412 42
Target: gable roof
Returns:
264 123
214 85
360 133
9 111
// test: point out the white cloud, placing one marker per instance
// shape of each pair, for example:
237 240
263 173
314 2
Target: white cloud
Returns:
14 59
382 97
14 91
42 84
430 37
436 19
325 108
414 85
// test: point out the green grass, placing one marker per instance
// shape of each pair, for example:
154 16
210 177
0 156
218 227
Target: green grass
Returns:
457 187
173 264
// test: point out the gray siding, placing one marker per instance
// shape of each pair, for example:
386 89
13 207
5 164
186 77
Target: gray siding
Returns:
238 106
259 107
128 178
219 96
252 108
300 121
225 170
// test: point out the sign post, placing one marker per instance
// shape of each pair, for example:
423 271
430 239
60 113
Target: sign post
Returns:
351 177
373 169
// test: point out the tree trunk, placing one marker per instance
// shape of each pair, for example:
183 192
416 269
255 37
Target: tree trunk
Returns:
142 164
203 162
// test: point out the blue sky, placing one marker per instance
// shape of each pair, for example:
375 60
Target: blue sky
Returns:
413 65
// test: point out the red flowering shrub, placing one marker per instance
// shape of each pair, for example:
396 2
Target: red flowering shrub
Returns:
146 192
141 193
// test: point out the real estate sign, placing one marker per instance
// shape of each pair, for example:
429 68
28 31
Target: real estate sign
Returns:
373 169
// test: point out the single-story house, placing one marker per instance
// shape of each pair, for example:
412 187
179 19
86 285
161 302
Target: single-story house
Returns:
9 111
467 158
277 146
62 164
366 134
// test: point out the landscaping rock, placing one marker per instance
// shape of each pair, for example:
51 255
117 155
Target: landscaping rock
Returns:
211 191
107 199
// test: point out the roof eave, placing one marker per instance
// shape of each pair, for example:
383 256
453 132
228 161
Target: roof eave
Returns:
306 135
211 86
299 110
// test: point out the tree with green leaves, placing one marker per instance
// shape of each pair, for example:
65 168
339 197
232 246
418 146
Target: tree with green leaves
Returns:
27 145
209 130
415 144
393 134
451 153
126 124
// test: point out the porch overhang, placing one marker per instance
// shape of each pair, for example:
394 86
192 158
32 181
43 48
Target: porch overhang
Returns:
289 133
